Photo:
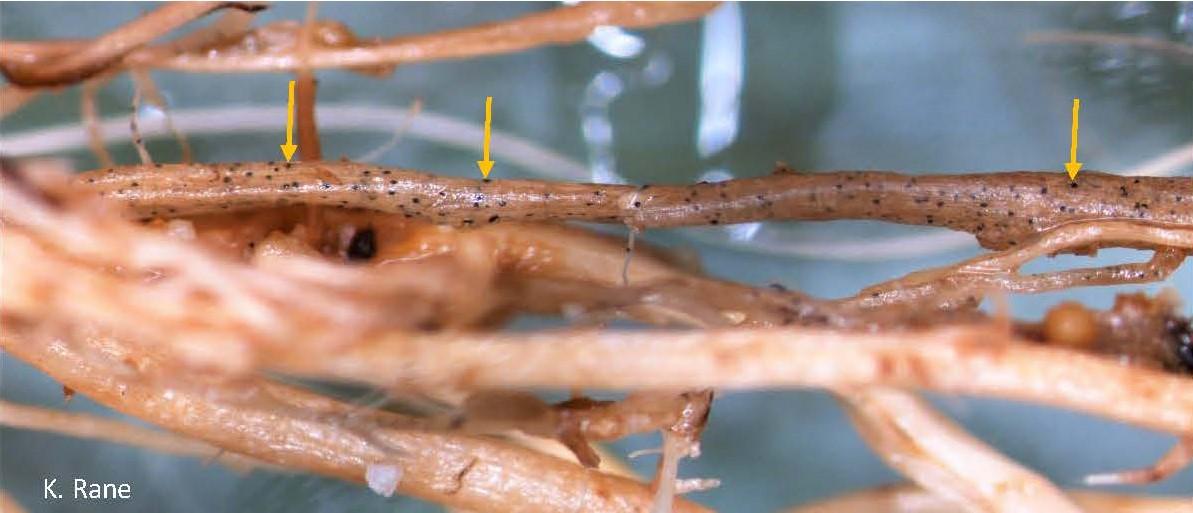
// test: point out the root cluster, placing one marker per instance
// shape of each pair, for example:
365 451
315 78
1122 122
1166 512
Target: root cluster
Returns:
179 293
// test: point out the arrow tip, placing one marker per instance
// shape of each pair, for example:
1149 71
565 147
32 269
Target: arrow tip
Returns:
288 150
1073 168
485 166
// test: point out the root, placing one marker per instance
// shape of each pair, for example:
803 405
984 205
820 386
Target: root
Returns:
134 127
90 115
245 274
970 281
275 424
416 108
305 91
9 504
1174 461
72 64
964 359
12 98
578 421
1175 50
911 499
98 428
1003 210
939 456
145 84
341 50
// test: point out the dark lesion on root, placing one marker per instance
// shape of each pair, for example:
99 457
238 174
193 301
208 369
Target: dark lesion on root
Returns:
1138 330
363 245
1181 332
580 420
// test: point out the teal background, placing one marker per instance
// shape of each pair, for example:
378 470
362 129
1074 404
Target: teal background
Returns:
917 87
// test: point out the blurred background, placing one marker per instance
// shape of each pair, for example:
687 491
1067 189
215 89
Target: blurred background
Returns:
914 87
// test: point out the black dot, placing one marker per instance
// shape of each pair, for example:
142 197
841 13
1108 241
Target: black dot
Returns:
363 245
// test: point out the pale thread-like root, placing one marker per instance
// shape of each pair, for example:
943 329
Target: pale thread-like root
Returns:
143 81
667 473
134 126
999 271
12 98
1175 460
680 440
913 499
9 504
1170 48
939 456
90 113
80 425
276 424
416 108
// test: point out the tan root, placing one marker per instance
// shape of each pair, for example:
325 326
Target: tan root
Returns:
186 294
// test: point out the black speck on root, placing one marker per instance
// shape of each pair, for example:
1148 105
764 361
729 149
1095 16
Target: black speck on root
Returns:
1000 209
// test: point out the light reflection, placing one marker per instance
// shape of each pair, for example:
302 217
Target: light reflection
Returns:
606 86
742 232
149 112
1134 10
1184 21
615 42
657 71
597 128
721 73
721 70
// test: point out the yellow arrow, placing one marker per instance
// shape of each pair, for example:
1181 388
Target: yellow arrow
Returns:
289 148
1072 166
486 165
